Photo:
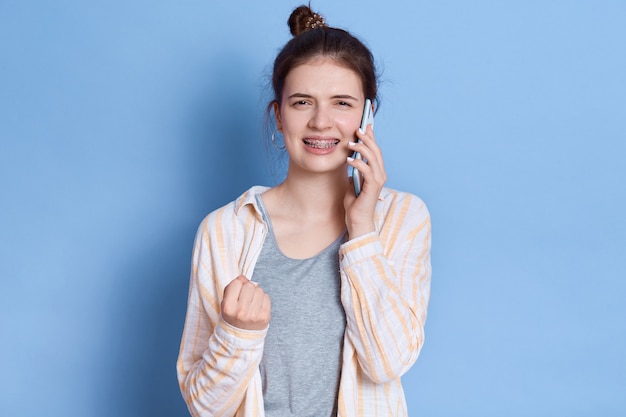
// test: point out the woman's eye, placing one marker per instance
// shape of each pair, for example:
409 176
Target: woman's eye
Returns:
344 103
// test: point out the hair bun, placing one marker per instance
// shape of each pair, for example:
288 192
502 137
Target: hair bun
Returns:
303 19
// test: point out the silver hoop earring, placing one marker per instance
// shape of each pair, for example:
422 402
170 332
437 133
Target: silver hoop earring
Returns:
280 148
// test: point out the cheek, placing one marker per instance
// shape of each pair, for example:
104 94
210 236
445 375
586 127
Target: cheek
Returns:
349 124
291 125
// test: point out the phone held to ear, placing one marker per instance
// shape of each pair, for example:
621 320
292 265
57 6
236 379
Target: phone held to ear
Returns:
366 119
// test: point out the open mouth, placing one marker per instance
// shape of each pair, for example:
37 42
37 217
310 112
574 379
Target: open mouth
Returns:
321 143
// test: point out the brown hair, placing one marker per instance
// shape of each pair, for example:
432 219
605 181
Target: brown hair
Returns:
313 38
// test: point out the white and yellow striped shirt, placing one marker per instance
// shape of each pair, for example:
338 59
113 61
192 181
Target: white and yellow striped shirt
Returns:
385 287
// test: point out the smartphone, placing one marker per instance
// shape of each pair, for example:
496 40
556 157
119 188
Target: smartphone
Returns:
366 119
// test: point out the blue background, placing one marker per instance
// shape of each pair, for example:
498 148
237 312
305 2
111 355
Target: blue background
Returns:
123 123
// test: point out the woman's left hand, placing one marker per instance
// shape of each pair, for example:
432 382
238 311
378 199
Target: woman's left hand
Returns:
360 210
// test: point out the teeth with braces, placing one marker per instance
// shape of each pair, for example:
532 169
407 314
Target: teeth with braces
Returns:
321 144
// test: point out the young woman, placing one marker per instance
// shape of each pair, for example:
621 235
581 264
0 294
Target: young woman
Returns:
306 300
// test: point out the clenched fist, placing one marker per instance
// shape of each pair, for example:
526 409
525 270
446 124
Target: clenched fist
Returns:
245 305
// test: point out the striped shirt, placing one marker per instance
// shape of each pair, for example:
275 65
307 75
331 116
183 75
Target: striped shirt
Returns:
385 287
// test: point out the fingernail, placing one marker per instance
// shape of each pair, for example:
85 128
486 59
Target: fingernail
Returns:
350 159
351 143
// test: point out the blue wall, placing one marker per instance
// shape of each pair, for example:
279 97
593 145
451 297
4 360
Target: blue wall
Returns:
123 123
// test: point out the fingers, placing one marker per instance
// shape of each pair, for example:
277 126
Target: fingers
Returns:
360 211
245 305
368 148
372 166
368 139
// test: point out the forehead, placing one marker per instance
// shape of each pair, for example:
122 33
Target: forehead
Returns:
323 76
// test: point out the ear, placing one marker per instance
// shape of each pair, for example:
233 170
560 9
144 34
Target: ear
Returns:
279 124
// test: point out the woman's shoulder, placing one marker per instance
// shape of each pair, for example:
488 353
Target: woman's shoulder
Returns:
395 198
401 211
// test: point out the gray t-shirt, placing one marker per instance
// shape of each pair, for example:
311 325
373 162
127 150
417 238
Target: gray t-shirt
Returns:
301 363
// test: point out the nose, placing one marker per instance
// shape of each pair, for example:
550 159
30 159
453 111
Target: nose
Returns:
320 118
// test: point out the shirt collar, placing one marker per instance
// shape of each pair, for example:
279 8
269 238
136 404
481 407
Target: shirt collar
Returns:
249 197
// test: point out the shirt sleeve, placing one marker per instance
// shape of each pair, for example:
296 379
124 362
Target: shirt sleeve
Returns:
216 361
385 289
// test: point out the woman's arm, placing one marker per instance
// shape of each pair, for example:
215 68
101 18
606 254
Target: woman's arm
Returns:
215 382
386 287
217 360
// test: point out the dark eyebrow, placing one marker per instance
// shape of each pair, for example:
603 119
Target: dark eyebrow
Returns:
341 96
300 95
345 96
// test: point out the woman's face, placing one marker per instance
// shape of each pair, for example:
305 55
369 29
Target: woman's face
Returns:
321 110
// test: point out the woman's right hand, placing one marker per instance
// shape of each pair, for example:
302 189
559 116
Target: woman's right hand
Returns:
360 212
245 305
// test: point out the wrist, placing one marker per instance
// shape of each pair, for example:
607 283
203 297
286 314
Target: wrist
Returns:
360 229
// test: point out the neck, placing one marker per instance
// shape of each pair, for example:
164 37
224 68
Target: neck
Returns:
315 195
